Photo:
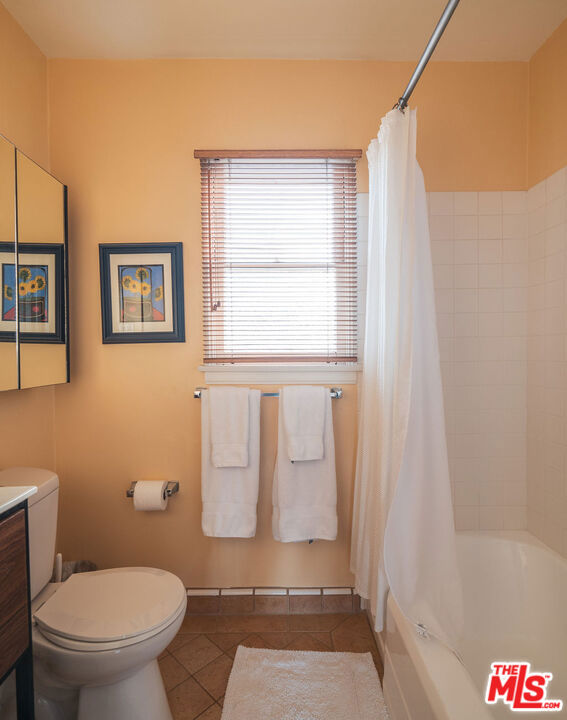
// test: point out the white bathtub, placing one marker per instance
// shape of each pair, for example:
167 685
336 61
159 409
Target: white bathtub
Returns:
515 591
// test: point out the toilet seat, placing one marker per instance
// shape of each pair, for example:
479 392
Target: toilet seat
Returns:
110 609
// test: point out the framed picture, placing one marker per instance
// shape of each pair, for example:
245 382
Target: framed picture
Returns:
34 290
142 293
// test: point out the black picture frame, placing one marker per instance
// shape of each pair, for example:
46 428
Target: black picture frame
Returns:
58 253
146 314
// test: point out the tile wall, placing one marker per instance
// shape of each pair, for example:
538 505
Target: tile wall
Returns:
480 262
501 296
547 353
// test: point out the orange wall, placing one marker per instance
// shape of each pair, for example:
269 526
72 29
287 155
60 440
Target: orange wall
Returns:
122 138
547 138
26 416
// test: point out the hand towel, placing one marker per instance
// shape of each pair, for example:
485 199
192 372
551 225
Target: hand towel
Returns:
304 421
304 494
229 418
230 494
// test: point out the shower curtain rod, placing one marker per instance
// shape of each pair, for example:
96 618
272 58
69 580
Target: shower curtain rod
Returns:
427 53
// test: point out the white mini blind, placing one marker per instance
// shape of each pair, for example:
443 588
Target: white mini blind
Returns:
279 259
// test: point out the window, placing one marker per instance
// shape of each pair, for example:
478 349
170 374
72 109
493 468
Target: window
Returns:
279 256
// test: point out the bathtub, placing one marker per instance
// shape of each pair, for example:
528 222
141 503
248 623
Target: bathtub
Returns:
515 592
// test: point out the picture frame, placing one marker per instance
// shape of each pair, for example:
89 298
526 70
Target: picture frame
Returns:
141 288
36 282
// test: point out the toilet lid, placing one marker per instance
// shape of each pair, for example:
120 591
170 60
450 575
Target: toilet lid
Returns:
112 604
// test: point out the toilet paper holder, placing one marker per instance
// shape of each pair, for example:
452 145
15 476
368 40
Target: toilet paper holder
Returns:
171 489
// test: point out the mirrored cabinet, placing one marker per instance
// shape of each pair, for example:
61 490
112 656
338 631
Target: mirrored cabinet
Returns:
34 327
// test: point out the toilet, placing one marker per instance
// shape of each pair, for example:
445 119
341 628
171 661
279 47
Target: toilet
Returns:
97 636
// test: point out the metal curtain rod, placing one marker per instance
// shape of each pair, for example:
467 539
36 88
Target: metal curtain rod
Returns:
427 53
336 393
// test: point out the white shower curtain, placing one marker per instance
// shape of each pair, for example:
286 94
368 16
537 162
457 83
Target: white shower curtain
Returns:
403 534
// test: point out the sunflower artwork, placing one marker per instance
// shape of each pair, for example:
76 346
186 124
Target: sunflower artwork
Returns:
31 290
141 293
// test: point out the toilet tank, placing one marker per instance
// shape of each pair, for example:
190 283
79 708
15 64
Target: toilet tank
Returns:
42 520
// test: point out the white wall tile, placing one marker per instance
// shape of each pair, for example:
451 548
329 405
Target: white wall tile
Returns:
465 276
490 251
489 227
466 227
441 203
555 185
490 203
441 227
490 276
514 226
465 300
536 196
466 252
514 202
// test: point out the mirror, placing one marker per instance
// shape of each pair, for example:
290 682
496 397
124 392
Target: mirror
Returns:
42 322
8 319
34 330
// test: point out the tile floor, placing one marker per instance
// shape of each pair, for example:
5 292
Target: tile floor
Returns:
196 665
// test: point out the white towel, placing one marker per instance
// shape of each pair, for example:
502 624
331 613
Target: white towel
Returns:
304 421
230 495
229 419
304 494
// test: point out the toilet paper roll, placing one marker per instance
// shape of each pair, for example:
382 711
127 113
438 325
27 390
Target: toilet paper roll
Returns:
150 495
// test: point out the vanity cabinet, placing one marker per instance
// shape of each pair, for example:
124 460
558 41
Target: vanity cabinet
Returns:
34 324
15 620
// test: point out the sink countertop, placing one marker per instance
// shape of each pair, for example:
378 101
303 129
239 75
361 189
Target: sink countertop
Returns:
10 496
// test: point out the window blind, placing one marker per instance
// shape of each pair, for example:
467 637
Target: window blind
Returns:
279 259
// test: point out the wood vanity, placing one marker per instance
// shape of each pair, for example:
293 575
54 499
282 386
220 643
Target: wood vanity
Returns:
15 605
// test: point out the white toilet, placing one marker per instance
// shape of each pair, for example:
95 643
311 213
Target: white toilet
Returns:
97 636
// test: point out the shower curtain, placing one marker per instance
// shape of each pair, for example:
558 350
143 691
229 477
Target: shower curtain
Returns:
403 533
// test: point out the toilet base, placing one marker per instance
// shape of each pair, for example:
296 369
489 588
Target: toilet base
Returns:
139 697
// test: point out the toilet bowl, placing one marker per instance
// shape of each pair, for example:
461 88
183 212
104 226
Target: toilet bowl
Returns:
96 640
96 637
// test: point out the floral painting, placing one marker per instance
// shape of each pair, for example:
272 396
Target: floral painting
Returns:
141 293
33 295
31 291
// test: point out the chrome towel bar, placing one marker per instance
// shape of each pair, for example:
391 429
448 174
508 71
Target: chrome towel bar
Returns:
336 393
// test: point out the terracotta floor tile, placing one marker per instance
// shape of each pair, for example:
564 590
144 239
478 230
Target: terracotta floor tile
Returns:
214 676
253 623
277 640
197 653
323 637
355 625
221 701
181 639
237 604
271 604
213 713
354 643
172 672
163 654
203 605
306 641
201 624
305 604
337 603
252 641
188 700
226 640
316 623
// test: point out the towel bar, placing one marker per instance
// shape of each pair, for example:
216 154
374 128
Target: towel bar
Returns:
336 393
171 489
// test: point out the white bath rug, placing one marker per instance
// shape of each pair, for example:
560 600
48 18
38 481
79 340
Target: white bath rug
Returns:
298 685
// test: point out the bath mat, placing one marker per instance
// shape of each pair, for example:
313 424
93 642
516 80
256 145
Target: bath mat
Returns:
298 685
